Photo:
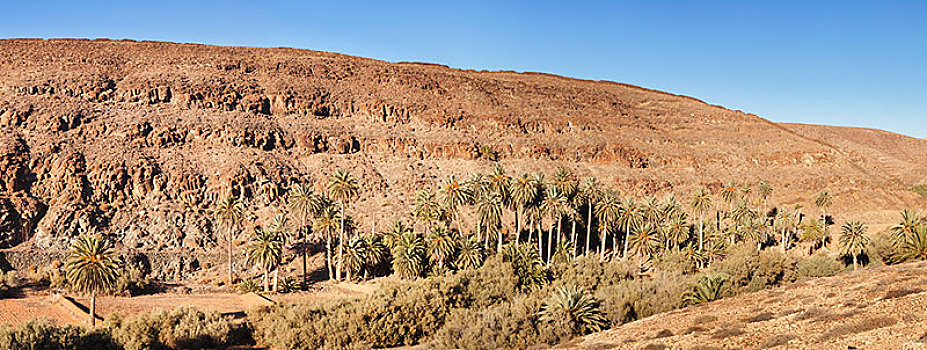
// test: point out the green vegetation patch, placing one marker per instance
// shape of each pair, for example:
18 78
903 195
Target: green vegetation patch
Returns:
920 189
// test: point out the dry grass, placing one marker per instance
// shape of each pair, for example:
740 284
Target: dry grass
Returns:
766 316
858 327
778 340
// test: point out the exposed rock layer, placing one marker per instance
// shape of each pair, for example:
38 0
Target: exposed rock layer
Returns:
138 139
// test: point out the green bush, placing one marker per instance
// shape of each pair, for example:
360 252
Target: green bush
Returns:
41 335
510 325
818 265
181 328
750 269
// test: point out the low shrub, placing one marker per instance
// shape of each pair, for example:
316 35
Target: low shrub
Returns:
181 328
41 335
858 327
818 265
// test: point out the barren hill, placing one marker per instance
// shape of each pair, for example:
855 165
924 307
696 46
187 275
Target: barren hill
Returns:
138 139
879 308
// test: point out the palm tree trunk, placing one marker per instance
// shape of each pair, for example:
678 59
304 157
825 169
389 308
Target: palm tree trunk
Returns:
627 237
701 229
588 228
266 281
328 258
602 238
573 238
276 277
499 248
304 251
229 275
824 220
93 309
518 219
550 240
540 238
854 262
340 265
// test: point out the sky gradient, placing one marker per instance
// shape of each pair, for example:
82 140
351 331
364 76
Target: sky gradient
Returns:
839 63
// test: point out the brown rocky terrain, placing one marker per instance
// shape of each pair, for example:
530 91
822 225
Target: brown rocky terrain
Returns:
138 139
876 308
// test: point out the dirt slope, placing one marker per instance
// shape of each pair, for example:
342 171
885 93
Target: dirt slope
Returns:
880 308
138 139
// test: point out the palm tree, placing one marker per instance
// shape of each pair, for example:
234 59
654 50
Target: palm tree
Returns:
589 192
454 194
266 251
913 246
824 201
229 213
784 224
729 194
441 245
764 190
645 241
470 254
607 209
489 211
356 255
854 240
427 209
910 221
92 267
676 231
342 187
305 204
573 309
630 216
327 222
523 191
813 231
278 225
409 255
553 205
701 201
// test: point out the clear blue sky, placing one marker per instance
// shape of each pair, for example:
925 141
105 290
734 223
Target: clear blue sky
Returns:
840 62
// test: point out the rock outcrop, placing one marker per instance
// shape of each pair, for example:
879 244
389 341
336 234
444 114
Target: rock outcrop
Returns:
138 139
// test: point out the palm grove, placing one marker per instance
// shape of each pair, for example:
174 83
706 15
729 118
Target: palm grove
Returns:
561 216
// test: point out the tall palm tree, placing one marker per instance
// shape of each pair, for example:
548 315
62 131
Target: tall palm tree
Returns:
701 202
566 184
589 192
489 212
305 205
278 225
764 190
327 223
854 240
342 187
470 256
228 214
553 205
630 216
523 191
729 194
454 194
266 251
607 209
92 267
784 224
824 201
427 209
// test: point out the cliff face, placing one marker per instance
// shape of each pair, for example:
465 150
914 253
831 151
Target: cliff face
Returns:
138 139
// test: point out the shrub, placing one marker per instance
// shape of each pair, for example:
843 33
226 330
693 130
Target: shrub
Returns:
510 325
629 300
248 285
920 189
708 288
133 282
818 265
41 335
858 327
181 328
750 270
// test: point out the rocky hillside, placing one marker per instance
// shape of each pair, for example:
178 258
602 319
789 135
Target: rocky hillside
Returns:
138 139
878 308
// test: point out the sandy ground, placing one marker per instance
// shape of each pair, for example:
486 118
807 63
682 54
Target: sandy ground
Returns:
51 308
